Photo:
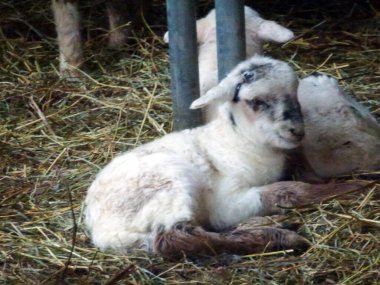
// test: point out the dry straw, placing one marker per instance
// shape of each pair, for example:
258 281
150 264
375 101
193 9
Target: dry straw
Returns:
55 135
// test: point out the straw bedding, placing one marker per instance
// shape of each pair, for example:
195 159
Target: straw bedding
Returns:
55 135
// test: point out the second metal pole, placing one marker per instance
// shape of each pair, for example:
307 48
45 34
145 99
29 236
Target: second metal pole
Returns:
230 29
183 53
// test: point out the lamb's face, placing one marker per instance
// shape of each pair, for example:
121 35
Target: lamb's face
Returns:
265 104
270 120
261 95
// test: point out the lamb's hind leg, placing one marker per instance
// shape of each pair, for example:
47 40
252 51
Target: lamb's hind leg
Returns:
196 241
289 194
67 21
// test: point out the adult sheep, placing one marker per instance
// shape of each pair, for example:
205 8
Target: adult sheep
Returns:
184 192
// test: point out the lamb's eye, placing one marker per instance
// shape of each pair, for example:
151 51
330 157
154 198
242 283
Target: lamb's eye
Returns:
257 104
248 76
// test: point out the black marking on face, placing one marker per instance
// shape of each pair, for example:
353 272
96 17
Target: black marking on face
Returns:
256 72
253 73
232 119
236 95
292 109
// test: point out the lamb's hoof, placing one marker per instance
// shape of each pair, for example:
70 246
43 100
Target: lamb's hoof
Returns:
282 239
290 226
267 239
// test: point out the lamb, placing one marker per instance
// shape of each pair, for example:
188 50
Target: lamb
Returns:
341 136
257 31
186 193
67 21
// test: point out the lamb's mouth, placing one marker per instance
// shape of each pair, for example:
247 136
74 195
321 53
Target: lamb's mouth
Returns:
293 140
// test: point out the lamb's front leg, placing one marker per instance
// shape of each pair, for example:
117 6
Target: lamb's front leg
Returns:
290 194
234 203
67 22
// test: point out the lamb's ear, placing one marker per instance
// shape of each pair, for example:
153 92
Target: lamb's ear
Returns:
271 31
166 37
215 93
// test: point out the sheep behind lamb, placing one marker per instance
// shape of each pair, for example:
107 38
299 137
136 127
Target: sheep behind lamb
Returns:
341 136
68 26
176 194
257 31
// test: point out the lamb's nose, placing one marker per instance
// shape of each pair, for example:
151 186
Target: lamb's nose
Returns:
298 133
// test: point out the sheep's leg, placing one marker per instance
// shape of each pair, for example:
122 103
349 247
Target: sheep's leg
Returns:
118 22
195 241
289 194
67 21
124 15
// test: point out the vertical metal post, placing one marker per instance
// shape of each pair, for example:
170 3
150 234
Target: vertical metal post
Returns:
230 30
183 62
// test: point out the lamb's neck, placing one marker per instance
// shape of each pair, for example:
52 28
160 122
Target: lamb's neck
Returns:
228 151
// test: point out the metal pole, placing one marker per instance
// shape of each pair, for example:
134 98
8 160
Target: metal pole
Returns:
183 53
230 30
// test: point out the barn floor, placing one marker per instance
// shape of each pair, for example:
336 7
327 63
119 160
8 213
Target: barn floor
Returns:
56 135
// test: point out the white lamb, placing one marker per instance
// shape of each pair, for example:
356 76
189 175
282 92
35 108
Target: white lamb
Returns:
341 136
257 31
176 194
68 26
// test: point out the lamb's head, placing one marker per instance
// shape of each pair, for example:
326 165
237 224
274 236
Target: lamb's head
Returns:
260 97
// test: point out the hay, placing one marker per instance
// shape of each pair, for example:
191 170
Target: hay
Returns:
55 136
